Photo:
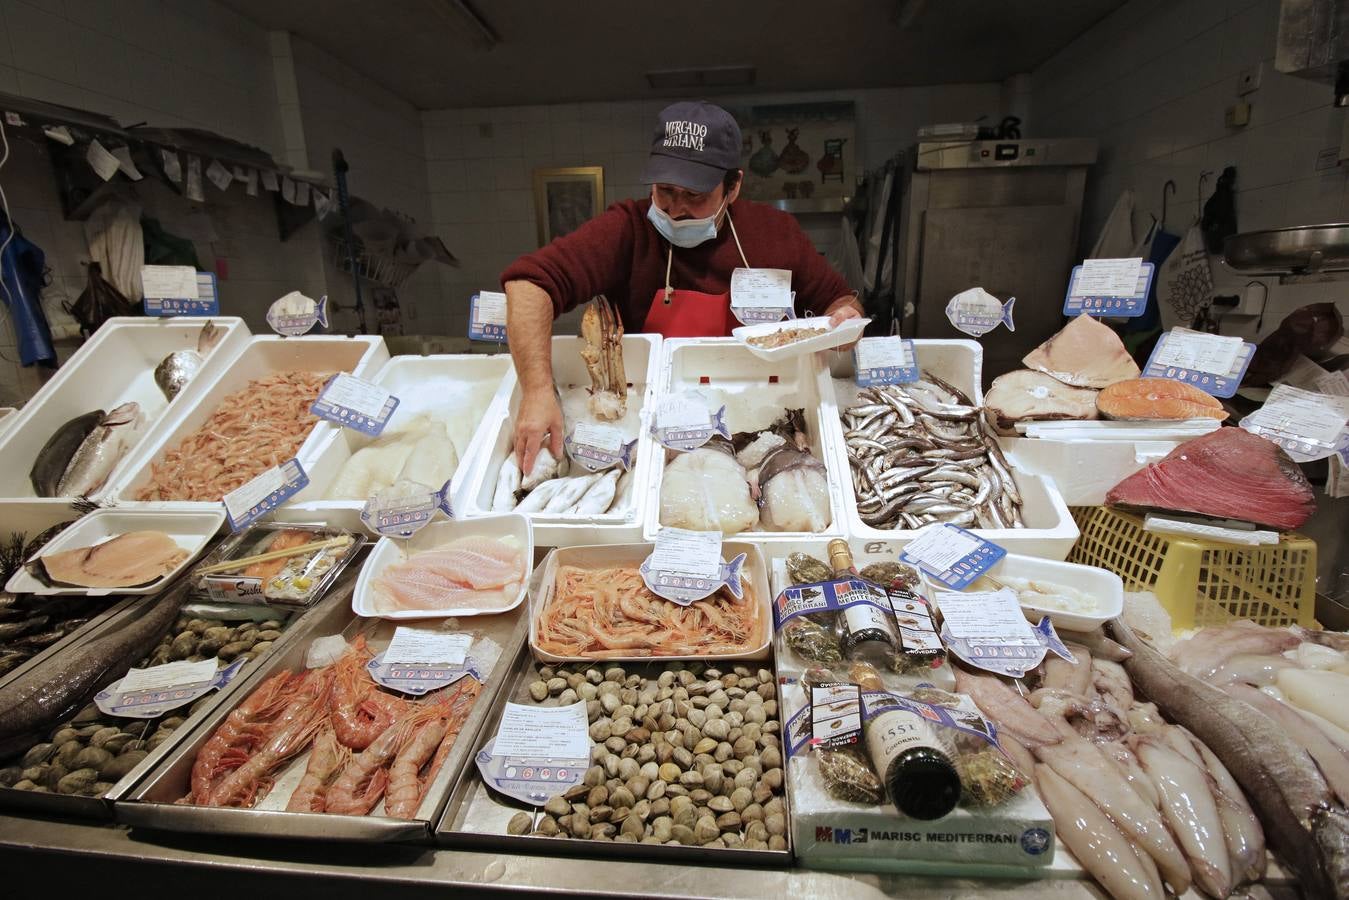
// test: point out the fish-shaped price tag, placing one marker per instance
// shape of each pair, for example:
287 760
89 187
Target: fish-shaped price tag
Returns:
884 360
259 497
295 314
1211 362
762 295
987 629
537 752
1307 425
977 312
177 296
683 422
595 447
951 555
355 403
149 693
418 661
405 508
1109 287
686 566
487 316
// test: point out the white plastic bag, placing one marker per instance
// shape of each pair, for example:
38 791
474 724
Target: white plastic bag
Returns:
1185 284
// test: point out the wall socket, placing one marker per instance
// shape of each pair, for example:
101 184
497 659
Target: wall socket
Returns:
1248 80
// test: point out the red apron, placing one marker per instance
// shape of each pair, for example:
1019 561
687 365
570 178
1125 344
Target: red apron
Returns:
690 314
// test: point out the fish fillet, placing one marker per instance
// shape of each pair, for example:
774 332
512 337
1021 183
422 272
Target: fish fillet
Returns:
470 573
421 589
1025 395
1086 353
706 490
138 557
1146 399
474 561
286 540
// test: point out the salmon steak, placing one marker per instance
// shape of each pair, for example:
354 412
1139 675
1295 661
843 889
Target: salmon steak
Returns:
1144 399
134 558
1085 353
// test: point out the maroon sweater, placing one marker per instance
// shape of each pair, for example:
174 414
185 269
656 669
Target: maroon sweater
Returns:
621 255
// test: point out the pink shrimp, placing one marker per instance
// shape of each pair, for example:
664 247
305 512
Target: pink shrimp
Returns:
364 778
326 758
361 712
404 791
240 734
464 695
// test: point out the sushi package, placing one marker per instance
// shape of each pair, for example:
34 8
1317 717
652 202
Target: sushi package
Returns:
299 563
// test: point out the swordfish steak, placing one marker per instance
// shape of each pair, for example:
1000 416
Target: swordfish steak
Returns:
1229 473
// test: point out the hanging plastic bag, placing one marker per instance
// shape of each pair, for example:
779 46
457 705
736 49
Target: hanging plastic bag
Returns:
98 302
1116 240
1185 283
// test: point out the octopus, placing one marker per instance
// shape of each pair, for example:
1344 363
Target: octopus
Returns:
606 613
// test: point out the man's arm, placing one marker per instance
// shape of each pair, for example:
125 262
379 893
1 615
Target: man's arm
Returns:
529 329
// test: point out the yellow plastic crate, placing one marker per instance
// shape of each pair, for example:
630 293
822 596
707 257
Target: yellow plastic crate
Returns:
1202 582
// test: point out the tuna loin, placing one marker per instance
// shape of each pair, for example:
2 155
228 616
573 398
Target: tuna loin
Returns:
1228 473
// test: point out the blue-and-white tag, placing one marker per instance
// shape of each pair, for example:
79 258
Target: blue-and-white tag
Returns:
596 447
987 629
538 751
487 316
419 660
149 693
885 360
683 422
202 298
686 566
401 512
1306 424
245 505
355 403
1213 363
951 555
1109 287
762 295
295 314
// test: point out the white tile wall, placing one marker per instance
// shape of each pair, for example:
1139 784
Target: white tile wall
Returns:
1152 81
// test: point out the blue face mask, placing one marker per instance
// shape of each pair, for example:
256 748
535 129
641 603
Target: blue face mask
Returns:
684 233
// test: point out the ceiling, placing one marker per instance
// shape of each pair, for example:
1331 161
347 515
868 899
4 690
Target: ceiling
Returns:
430 52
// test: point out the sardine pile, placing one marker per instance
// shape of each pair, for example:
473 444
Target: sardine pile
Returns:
919 454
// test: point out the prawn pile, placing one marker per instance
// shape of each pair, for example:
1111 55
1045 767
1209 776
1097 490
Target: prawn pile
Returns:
604 613
365 744
251 431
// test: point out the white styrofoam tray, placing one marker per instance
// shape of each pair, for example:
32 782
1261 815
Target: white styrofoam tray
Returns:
116 366
1050 531
1083 471
641 359
456 389
848 331
756 392
191 531
542 583
262 356
1105 586
389 551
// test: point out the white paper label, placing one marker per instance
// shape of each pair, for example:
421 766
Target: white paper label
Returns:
1301 415
124 163
169 282
173 168
417 645
601 437
491 308
104 164
1186 349
940 548
301 193
884 353
1108 278
193 187
679 551
219 175
761 288
677 411
543 731
240 501
169 675
983 618
357 394
269 180
59 133
1334 383
287 190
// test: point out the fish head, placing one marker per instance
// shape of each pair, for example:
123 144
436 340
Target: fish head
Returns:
209 337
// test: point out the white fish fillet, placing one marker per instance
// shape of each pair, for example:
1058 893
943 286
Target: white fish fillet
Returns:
706 490
432 460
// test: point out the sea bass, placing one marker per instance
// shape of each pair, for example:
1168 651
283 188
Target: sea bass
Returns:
54 457
100 451
179 367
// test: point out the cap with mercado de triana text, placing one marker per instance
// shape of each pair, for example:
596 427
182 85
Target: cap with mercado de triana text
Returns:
694 145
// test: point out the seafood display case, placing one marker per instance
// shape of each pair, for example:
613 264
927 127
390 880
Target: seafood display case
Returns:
115 367
154 806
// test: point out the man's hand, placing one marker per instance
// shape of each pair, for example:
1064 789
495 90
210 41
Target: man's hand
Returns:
842 309
539 420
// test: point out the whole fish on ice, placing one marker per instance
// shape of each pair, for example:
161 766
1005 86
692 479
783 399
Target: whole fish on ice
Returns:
181 366
100 451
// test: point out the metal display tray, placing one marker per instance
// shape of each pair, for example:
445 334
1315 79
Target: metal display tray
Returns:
152 805
102 807
96 622
476 817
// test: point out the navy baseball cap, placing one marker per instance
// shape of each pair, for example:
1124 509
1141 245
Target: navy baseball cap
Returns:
694 145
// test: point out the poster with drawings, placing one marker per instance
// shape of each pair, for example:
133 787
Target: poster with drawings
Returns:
798 151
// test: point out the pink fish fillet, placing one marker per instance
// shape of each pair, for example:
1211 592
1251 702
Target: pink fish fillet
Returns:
406 586
477 562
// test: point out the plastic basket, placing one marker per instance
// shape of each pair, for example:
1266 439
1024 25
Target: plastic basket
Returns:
1202 582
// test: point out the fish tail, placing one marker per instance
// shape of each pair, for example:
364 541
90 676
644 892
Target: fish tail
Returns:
719 421
1007 314
732 579
322 311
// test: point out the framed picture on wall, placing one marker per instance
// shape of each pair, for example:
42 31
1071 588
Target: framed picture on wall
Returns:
564 199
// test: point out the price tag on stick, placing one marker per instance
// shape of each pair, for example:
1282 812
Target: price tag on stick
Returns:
261 496
538 751
487 316
951 555
355 403
1213 363
885 360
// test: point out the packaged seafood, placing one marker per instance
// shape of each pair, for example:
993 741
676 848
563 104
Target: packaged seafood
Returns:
775 341
719 800
773 481
606 508
343 759
118 551
297 579
464 567
179 459
79 763
591 603
445 395
114 369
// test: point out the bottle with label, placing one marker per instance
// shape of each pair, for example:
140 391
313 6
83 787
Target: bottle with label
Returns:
914 763
864 629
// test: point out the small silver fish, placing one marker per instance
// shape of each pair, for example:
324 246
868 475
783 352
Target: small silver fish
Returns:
978 312
179 367
100 451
